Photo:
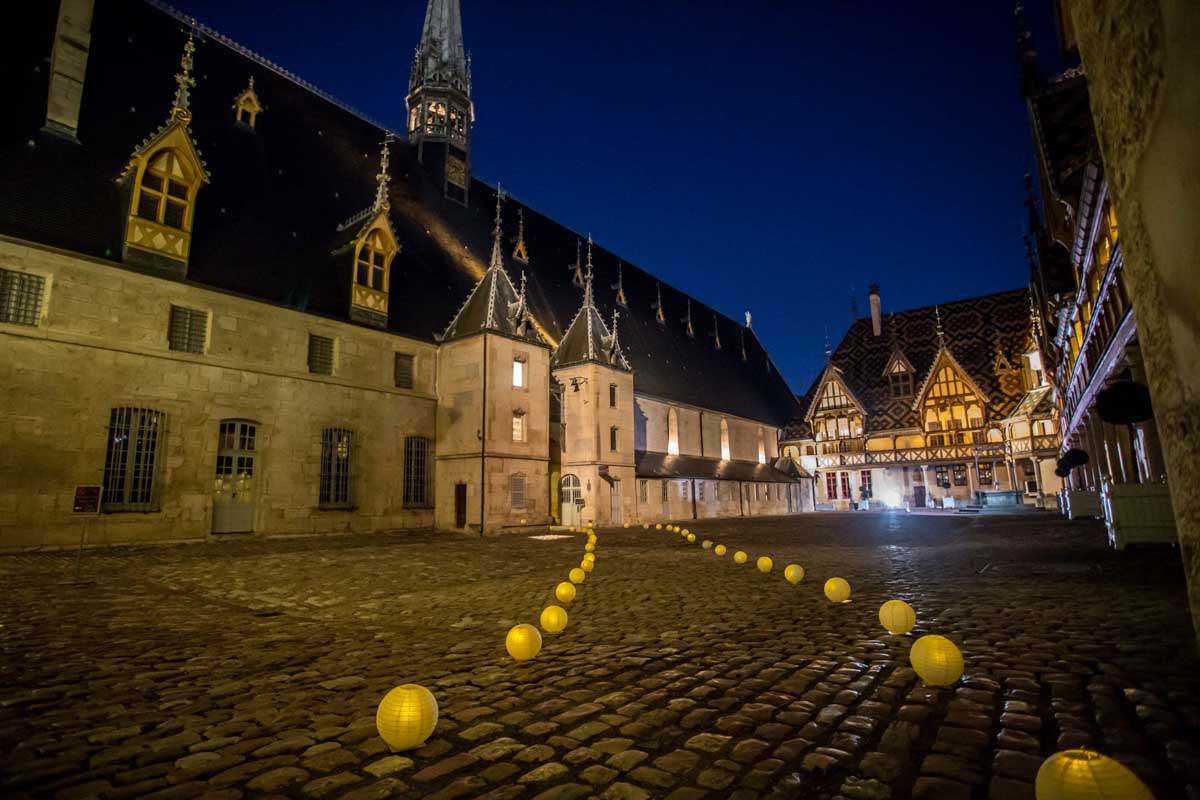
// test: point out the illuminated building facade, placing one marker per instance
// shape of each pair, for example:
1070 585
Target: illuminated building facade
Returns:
234 304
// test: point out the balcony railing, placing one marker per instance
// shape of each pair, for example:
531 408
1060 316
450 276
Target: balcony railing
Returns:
1034 444
916 455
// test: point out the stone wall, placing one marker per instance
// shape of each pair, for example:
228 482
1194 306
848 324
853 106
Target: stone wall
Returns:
1143 64
699 431
102 343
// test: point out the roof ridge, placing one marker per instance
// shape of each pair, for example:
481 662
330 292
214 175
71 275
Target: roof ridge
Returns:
211 33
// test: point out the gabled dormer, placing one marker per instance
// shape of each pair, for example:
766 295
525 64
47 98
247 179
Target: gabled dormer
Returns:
952 407
368 242
247 107
899 374
835 413
159 186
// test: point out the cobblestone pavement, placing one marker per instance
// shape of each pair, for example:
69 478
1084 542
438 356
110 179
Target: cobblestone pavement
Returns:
253 667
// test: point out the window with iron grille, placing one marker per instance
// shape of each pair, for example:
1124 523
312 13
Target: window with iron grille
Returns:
643 490
320 354
665 484
187 329
134 437
700 491
516 485
404 370
21 297
337 452
416 471
612 439
683 486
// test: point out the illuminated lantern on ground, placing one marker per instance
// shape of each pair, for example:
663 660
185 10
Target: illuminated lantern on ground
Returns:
523 642
793 573
740 557
571 529
937 660
764 564
522 520
565 592
406 716
626 525
897 616
691 537
589 547
837 590
719 549
554 619
646 526
589 556
686 532
1087 775
577 575
658 526
706 544
586 565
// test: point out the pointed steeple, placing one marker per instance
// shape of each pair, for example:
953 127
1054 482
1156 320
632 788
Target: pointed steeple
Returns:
587 338
441 58
495 305
1035 319
687 321
620 285
520 253
657 305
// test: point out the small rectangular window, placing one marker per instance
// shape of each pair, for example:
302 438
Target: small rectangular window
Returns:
517 490
416 471
612 395
320 354
404 371
337 450
21 297
612 439
187 329
683 486
700 491
960 474
518 427
518 373
643 490
664 490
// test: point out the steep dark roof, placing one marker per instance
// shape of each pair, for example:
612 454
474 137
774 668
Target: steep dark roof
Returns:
973 329
588 338
267 223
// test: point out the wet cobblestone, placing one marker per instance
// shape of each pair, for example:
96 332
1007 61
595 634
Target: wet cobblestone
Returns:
250 668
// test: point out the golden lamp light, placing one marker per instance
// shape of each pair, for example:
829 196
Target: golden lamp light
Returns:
897 617
937 660
523 642
837 590
793 573
554 619
565 592
1087 775
406 716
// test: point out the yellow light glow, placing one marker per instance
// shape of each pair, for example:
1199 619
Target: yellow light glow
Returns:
764 564
691 537
589 547
577 576
587 566
406 716
837 590
658 526
740 557
685 531
719 549
897 617
523 642
565 592
1087 775
646 526
554 619
707 544
626 525
793 573
937 660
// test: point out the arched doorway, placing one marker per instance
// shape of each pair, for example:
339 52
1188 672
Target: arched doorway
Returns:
572 499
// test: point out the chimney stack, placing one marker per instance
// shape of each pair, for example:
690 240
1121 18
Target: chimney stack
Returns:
876 310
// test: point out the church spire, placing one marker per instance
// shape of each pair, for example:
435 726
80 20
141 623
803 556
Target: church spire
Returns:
440 111
1031 83
587 337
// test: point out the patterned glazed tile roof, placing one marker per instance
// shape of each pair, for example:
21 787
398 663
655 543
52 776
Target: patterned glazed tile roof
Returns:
974 329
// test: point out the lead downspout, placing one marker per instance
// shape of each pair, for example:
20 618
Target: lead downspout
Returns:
483 443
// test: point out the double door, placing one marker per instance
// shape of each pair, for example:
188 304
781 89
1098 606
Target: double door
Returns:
233 485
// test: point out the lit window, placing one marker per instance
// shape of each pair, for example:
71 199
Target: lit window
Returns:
724 440
845 485
985 474
518 426
516 485
21 297
672 432
762 447
831 485
864 479
164 194
960 474
246 106
371 263
416 471
336 452
134 438
518 373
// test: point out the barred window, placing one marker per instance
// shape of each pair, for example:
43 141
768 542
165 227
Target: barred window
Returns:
134 436
337 451
320 354
683 487
187 330
700 491
416 471
404 370
612 395
21 297
643 490
612 439
516 485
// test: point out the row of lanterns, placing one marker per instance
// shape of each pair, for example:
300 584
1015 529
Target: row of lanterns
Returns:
524 641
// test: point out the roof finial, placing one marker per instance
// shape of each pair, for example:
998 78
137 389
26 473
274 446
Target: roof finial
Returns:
614 349
1035 319
577 267
691 331
381 189
520 253
716 333
620 285
828 350
587 278
658 306
941 334
181 108
747 319
497 259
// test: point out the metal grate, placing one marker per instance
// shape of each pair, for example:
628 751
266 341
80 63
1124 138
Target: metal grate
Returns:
404 371
416 471
21 297
320 354
187 330
337 452
517 490
134 435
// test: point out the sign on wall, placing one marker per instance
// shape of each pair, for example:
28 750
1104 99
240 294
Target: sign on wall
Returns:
87 500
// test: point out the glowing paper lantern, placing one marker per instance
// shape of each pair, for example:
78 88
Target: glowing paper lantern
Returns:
589 556
523 642
764 564
626 525
691 537
936 660
686 532
646 526
522 520
706 544
1087 775
658 526
837 590
554 619
577 575
565 592
587 566
589 547
719 549
897 616
406 716
571 529
740 557
793 573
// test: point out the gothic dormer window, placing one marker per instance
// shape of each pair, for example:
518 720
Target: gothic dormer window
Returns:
166 190
899 377
246 106
372 260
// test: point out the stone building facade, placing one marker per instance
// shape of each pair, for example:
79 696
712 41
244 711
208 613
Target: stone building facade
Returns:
233 304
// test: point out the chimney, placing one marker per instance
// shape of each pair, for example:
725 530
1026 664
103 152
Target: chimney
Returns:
68 63
876 310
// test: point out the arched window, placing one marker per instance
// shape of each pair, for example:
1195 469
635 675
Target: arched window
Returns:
672 432
371 261
762 446
165 192
724 440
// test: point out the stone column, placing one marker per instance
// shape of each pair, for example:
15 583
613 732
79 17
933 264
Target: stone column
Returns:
1143 93
1129 467
1152 453
1037 477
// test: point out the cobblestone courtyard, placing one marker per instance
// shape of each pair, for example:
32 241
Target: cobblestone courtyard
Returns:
252 668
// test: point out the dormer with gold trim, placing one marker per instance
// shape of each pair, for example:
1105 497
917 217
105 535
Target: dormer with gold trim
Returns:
247 107
160 183
370 248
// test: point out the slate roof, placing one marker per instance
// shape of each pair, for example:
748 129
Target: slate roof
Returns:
973 327
588 338
266 225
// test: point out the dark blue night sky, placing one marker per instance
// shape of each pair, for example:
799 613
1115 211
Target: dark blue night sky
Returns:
762 155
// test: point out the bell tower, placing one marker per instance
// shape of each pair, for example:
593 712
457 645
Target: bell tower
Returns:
440 112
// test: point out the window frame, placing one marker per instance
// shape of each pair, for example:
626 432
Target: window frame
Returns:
411 368
417 475
335 491
132 462
162 196
520 369
959 471
518 479
612 395
185 319
15 287
520 431
313 339
613 438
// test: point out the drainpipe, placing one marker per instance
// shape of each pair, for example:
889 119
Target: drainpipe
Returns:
694 492
741 501
483 442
